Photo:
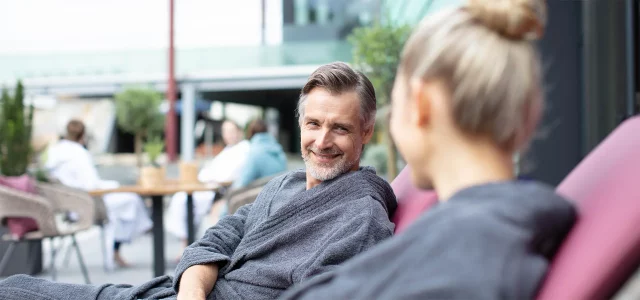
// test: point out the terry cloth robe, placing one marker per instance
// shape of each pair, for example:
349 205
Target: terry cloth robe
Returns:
490 241
73 166
261 252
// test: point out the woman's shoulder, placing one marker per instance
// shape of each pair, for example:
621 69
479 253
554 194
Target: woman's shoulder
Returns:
498 208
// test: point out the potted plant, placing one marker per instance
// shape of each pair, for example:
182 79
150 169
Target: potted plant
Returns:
376 51
138 113
15 134
16 123
154 173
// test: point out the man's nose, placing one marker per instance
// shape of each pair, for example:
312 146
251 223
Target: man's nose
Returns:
324 140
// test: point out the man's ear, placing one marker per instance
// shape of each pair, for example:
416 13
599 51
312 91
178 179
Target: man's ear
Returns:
368 133
420 102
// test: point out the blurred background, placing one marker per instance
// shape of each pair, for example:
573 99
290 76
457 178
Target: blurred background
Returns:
245 58
210 60
233 59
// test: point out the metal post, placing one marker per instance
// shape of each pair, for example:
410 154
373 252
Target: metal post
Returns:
171 120
191 230
54 251
7 256
158 237
83 268
188 122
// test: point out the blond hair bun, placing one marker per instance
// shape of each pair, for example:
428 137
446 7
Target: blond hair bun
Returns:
514 19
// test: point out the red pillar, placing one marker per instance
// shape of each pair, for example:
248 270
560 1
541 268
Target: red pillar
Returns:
171 119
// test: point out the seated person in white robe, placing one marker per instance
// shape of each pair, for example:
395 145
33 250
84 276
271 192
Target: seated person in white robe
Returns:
71 163
225 167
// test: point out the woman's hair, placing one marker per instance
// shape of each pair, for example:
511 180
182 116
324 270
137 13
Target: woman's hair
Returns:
256 126
232 122
75 130
484 53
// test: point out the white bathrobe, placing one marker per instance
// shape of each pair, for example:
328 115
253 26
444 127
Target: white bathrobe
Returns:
73 166
225 167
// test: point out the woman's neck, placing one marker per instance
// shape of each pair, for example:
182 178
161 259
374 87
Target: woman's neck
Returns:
461 166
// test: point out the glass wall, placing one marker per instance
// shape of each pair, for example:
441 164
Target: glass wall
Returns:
209 35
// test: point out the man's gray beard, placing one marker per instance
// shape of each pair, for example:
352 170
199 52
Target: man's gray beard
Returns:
323 173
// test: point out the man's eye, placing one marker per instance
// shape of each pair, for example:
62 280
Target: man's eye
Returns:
341 129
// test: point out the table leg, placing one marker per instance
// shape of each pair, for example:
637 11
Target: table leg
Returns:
158 237
191 231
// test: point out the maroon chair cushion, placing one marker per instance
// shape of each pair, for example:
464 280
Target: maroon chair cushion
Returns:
19 226
411 200
603 248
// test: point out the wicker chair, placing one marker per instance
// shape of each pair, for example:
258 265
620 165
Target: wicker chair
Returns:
48 208
240 198
101 219
236 198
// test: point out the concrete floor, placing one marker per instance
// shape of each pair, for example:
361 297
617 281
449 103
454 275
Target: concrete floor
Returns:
139 254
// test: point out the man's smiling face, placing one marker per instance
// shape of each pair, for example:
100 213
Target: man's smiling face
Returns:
332 136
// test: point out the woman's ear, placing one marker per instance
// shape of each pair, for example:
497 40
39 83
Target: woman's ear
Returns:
420 109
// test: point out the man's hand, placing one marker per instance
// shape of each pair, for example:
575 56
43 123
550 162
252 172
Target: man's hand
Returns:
197 281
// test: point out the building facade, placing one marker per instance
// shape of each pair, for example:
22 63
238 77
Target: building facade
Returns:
260 52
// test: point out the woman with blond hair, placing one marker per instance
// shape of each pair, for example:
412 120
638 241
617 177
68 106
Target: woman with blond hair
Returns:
468 95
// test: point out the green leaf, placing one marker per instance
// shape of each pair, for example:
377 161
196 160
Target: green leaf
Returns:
376 52
153 147
137 111
16 126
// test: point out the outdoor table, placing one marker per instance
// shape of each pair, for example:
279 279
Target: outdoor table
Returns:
157 193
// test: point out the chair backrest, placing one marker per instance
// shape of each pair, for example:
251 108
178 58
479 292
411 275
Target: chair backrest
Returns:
603 248
67 199
236 198
16 203
411 200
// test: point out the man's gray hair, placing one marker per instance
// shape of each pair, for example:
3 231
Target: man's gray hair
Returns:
338 78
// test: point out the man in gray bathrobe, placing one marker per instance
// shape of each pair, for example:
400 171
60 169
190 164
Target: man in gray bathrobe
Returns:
302 224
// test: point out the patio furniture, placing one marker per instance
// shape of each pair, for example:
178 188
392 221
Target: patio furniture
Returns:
602 251
411 200
236 198
101 220
48 208
157 193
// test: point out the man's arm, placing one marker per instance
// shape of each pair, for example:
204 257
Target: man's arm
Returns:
197 271
198 281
